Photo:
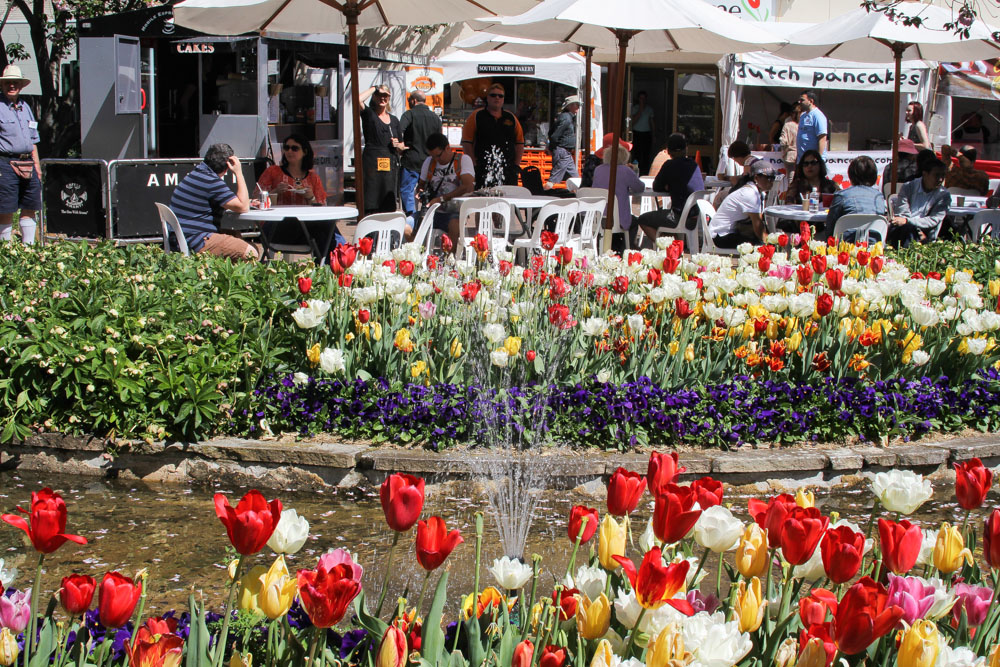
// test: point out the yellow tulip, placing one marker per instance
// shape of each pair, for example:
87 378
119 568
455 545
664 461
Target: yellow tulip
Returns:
603 656
805 499
456 348
689 352
667 648
250 586
772 330
8 648
813 655
312 354
756 310
392 651
593 618
949 550
949 274
920 645
239 659
277 591
749 606
376 331
791 325
794 341
994 287
402 340
512 345
877 249
859 307
417 369
751 554
610 542
748 329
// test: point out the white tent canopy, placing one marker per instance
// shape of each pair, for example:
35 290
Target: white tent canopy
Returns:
484 42
769 69
567 69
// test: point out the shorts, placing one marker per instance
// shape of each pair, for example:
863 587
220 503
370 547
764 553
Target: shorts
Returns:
444 215
16 192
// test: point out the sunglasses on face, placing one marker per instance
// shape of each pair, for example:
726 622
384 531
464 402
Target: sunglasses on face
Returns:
810 163
500 95
291 149
767 177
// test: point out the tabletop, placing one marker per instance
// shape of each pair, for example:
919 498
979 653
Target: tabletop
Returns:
537 201
714 182
278 213
789 212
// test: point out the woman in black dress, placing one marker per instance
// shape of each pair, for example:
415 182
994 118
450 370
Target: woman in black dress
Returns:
382 143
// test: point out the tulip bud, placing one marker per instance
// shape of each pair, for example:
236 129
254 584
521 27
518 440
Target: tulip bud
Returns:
805 499
610 543
241 659
8 648
920 645
523 654
593 618
666 648
250 585
392 652
749 606
813 655
787 653
950 550
751 554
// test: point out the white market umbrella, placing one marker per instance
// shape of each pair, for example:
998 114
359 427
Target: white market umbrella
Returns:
237 17
484 42
877 37
651 26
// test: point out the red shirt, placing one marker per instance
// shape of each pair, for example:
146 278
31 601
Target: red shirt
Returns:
274 175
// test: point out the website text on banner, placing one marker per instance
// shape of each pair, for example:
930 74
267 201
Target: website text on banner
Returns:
836 162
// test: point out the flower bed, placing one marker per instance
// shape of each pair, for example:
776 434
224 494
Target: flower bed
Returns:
705 585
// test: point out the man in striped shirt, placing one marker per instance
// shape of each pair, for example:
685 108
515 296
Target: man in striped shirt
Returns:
200 199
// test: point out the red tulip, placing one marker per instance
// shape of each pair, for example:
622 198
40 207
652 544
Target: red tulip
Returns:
365 246
523 653
675 249
620 284
548 239
576 516
707 492
47 517
991 539
161 625
673 516
553 656
654 277
805 274
819 631
116 599
819 264
655 584
683 309
305 284
406 268
251 522
863 256
530 355
764 264
326 594
76 593
767 251
876 264
813 608
565 254
804 255
782 240
152 649
446 243
844 258
469 292
900 544
402 499
824 304
342 258
863 616
559 315
842 551
805 232
803 529
835 279
567 600
972 481
771 516
480 244
670 264
634 258
663 469
624 491
364 315
345 279
434 543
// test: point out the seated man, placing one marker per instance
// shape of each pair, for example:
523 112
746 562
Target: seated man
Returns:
200 199
732 168
861 197
964 175
444 176
740 219
680 176
921 207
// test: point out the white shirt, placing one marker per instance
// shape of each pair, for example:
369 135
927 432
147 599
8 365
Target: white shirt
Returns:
737 206
445 179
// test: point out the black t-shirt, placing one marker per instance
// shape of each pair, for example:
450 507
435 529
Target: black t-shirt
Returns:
674 177
377 134
416 125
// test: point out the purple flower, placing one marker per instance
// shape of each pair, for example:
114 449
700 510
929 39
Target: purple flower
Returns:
15 611
702 602
912 594
975 600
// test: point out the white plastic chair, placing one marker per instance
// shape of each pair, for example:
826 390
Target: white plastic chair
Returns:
383 225
616 228
864 224
690 235
985 221
480 213
564 211
705 214
965 192
573 184
591 212
425 232
171 225
994 184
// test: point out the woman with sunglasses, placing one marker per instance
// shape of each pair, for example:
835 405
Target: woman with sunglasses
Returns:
293 181
810 173
382 144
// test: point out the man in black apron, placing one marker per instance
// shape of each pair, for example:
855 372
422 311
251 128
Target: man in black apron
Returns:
494 139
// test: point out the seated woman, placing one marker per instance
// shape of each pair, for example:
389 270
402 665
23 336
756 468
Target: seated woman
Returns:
861 197
810 173
627 183
740 219
922 205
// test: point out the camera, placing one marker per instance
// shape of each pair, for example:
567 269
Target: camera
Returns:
424 197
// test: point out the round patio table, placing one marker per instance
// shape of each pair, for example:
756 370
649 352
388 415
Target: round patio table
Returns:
290 215
789 212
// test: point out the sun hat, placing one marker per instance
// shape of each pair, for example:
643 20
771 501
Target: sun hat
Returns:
572 99
607 142
13 73
907 146
762 168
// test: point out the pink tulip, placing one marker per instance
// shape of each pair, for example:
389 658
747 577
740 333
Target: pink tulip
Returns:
912 594
15 611
975 600
331 559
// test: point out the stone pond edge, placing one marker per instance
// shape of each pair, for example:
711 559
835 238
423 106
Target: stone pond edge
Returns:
307 465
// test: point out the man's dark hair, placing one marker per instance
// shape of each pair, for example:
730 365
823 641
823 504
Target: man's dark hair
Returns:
924 156
676 142
417 97
435 141
811 95
738 150
930 164
862 171
216 157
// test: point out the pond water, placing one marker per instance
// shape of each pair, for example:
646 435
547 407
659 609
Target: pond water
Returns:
174 533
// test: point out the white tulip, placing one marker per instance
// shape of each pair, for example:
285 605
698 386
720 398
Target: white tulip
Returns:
926 555
944 598
300 378
976 345
648 538
958 657
603 376
588 580
594 326
636 324
510 573
494 333
7 576
331 360
312 315
901 491
717 529
290 533
627 608
919 358
713 642
499 358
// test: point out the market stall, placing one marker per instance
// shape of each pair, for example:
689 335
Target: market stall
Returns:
968 96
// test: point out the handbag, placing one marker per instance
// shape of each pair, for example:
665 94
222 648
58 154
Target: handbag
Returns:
23 168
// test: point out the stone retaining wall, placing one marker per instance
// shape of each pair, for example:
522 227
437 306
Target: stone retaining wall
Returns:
306 465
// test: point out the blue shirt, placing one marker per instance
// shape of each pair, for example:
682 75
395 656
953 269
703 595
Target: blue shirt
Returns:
18 129
198 204
855 199
811 126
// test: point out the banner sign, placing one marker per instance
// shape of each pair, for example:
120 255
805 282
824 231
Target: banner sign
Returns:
528 70
836 163
843 78
751 10
430 82
978 79
74 202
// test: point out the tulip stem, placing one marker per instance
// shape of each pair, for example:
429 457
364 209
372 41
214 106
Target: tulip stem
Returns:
29 641
315 643
220 647
479 553
142 607
701 564
576 546
718 577
871 519
423 589
965 522
526 615
388 572
631 635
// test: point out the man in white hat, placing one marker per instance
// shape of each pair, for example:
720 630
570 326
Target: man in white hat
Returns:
20 187
562 143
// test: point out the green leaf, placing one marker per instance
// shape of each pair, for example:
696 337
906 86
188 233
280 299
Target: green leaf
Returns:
376 627
432 636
